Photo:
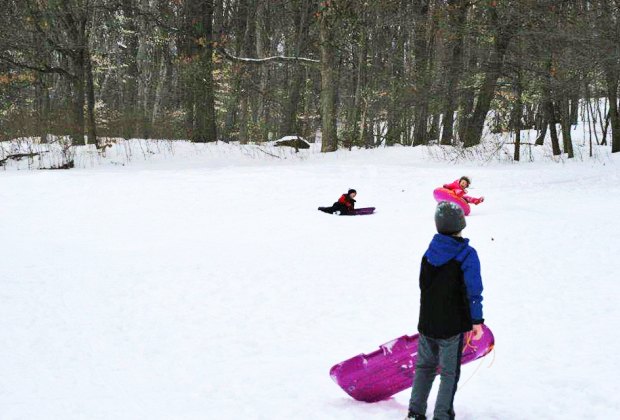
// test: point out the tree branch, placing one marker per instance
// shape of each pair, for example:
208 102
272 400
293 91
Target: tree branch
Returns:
55 44
43 69
17 156
267 60
111 6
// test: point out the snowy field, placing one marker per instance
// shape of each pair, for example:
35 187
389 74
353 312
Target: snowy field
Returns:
210 287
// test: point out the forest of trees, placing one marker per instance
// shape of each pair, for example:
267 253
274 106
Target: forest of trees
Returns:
362 72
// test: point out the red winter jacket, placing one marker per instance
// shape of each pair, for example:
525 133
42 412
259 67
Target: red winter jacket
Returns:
455 187
345 203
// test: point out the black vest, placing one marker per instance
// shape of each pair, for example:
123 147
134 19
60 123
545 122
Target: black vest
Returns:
444 307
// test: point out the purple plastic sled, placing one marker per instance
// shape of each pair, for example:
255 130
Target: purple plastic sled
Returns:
379 375
364 211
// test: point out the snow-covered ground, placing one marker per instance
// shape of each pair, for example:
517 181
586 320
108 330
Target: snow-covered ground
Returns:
206 285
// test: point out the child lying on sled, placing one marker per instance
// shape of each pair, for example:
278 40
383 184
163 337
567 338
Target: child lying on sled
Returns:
344 206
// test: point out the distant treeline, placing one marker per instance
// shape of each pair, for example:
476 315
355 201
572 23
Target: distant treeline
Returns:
363 72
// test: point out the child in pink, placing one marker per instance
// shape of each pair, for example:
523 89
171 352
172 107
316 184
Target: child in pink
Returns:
459 186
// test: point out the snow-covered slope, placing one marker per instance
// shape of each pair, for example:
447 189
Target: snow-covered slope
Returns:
212 288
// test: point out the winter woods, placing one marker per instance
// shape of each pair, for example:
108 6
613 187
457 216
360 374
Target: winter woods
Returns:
360 73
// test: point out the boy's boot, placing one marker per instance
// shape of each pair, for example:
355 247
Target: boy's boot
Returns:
414 416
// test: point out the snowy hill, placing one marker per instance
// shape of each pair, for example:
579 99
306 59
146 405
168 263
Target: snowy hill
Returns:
205 284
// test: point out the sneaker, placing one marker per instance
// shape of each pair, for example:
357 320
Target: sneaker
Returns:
414 416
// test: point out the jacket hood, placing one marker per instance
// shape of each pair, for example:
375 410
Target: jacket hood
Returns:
443 248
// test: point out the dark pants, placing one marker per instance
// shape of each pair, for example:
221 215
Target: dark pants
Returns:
337 208
433 353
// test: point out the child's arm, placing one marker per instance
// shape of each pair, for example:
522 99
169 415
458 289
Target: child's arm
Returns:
473 282
473 200
453 186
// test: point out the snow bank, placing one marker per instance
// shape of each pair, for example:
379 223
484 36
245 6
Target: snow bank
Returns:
496 148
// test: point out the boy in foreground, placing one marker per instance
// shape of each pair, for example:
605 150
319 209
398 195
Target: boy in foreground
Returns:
450 307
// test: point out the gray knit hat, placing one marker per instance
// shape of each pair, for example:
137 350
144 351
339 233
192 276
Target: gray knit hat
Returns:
449 218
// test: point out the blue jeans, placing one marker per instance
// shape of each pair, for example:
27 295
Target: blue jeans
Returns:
433 353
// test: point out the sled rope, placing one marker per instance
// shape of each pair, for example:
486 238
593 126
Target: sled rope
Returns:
478 368
468 343
493 359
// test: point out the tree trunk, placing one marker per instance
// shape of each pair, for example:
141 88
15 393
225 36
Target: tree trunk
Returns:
468 97
354 129
248 51
205 130
262 49
41 103
550 111
395 126
566 127
92 122
433 132
457 15
78 138
238 71
517 117
129 89
614 116
422 77
146 61
475 125
158 97
541 123
574 109
329 133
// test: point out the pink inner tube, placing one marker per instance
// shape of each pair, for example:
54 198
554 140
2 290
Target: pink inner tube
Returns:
444 194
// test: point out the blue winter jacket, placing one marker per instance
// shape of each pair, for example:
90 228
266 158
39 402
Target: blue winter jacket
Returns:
444 248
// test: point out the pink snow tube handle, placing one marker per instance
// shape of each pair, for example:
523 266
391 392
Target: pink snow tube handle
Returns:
444 194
